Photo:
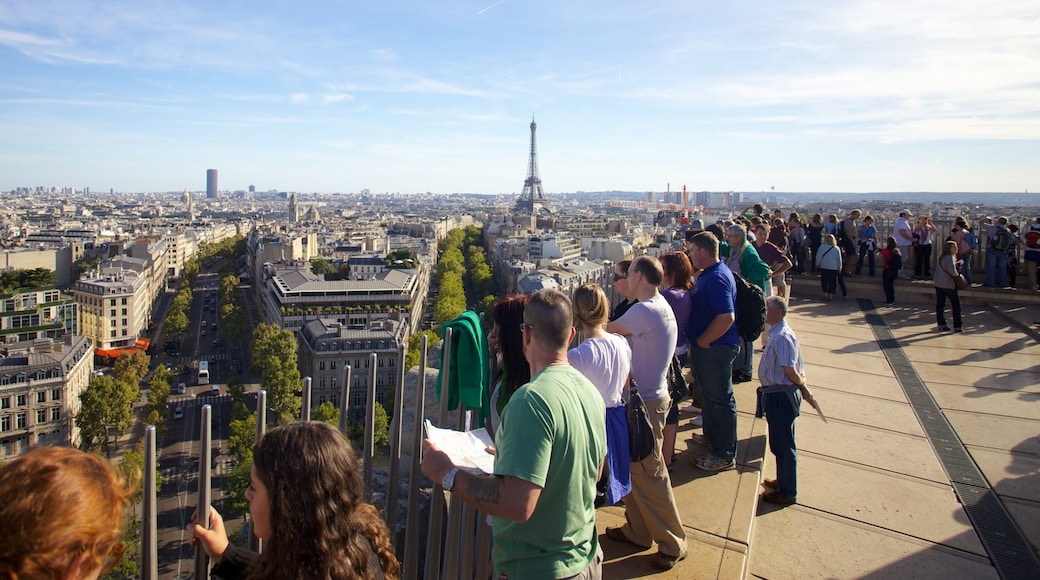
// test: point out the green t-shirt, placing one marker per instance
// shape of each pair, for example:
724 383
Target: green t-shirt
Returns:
553 434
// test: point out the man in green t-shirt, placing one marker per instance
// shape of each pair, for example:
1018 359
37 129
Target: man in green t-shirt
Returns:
549 452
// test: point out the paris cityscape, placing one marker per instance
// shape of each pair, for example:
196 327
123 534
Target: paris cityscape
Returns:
223 219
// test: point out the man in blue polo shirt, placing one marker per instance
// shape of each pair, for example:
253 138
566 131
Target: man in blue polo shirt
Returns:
714 344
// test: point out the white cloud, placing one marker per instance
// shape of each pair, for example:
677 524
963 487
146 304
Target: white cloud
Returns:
337 98
300 98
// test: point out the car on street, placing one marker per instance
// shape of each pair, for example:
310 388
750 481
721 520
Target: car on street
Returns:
181 387
178 413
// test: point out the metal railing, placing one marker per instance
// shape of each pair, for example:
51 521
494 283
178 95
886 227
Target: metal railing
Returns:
457 542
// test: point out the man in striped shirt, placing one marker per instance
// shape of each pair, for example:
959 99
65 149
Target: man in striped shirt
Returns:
782 373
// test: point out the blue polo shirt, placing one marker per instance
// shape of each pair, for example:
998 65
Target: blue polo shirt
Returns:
715 293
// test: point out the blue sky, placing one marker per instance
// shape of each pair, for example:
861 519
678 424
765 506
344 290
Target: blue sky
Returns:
410 96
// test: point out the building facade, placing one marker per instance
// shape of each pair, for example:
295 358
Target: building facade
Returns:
114 309
34 314
40 384
327 347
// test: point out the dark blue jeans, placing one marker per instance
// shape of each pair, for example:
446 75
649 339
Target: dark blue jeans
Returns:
941 294
714 369
996 268
780 416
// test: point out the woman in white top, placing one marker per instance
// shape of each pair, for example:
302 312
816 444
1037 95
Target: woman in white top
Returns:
924 232
606 360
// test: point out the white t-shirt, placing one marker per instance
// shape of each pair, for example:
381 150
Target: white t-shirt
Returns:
653 337
902 226
606 362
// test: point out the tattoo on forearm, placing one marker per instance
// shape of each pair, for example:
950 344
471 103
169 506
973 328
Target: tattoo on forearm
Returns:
484 489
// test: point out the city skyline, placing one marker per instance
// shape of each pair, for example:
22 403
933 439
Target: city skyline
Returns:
410 97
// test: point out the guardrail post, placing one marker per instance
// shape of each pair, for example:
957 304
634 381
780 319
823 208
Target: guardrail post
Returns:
149 512
205 497
305 404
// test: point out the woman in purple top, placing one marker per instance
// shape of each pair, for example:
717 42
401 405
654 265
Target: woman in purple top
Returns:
677 274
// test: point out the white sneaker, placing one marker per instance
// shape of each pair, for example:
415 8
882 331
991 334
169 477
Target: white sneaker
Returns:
690 409
697 421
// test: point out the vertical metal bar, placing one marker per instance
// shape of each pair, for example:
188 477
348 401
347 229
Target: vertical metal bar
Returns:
395 451
370 426
149 513
205 497
344 403
455 510
467 542
435 533
255 543
305 406
411 544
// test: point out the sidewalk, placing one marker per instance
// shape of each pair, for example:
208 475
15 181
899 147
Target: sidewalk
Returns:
874 499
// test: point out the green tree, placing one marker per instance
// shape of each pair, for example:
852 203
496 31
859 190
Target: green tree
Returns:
484 308
132 366
411 357
326 412
242 437
105 404
131 466
274 359
241 440
321 266
228 286
176 322
236 484
381 424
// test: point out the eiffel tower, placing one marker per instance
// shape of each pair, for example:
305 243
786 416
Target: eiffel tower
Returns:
532 199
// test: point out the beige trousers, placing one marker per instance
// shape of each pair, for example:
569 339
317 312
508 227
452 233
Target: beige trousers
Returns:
650 509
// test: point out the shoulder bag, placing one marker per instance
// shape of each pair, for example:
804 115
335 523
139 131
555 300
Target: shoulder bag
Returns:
641 441
677 387
959 281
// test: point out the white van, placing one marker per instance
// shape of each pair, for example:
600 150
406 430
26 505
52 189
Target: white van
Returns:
214 391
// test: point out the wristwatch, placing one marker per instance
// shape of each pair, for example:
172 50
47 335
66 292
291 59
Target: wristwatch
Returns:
449 479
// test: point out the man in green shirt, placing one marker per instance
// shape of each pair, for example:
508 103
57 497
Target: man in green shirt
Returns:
549 452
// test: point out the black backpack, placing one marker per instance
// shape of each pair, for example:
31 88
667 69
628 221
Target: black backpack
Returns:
839 233
895 261
750 309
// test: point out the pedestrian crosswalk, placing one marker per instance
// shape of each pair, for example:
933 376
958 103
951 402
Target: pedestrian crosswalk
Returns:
212 357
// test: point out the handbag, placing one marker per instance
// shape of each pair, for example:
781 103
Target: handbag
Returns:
641 441
677 387
959 281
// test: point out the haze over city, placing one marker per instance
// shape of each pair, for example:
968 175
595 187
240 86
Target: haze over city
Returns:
414 97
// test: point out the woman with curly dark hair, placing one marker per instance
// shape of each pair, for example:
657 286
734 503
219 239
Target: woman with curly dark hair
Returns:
62 512
506 346
306 502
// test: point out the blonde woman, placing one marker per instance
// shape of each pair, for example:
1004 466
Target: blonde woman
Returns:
606 360
829 263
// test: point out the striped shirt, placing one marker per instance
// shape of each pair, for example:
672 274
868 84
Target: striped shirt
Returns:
781 351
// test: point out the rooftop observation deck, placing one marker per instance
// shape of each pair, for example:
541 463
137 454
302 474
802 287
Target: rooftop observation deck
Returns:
874 499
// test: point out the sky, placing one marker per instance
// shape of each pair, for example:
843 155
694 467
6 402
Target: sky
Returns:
437 96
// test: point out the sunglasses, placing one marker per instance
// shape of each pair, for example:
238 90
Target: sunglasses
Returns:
620 276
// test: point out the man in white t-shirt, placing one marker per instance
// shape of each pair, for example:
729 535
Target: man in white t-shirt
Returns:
904 239
650 511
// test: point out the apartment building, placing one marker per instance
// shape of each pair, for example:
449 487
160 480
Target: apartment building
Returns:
40 384
114 309
33 314
327 347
